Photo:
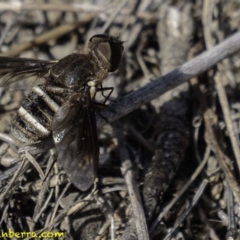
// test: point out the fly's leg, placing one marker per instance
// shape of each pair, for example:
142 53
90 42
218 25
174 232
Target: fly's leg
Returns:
101 89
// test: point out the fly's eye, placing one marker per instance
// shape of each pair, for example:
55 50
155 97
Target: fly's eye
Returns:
105 49
110 47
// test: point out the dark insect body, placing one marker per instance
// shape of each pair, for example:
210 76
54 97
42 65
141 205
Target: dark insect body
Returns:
63 105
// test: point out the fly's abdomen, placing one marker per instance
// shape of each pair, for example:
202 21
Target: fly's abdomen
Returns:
34 118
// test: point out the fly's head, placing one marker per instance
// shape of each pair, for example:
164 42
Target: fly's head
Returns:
107 51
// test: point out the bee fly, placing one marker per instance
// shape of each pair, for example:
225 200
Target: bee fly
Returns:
63 103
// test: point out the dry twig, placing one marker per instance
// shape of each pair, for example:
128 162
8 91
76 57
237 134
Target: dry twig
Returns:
127 172
201 63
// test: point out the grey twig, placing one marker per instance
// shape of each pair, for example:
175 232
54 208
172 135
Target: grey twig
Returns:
21 6
194 67
133 191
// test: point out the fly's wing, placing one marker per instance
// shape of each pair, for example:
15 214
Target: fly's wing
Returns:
76 141
14 69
